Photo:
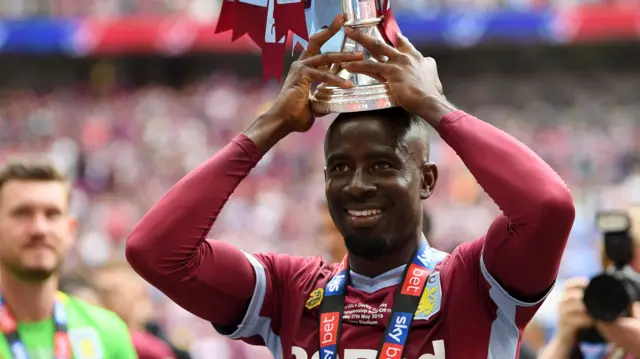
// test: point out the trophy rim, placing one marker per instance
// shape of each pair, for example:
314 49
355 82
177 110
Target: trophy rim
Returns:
331 99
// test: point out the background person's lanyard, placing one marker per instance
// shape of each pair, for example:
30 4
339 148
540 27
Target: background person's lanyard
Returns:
9 327
406 303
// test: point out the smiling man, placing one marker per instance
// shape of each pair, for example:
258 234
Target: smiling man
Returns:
392 296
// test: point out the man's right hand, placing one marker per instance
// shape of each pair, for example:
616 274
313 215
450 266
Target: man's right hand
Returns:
292 104
291 111
572 312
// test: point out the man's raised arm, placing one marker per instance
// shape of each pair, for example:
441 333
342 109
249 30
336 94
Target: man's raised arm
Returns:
523 247
169 248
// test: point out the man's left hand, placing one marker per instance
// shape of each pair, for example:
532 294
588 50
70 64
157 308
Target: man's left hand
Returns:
412 78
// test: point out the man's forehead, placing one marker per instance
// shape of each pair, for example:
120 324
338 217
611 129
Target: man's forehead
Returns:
32 192
364 123
363 131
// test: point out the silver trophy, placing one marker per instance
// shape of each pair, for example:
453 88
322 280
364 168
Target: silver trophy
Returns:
368 93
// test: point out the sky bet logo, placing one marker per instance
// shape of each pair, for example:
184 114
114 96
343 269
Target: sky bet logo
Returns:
329 332
335 285
394 342
414 282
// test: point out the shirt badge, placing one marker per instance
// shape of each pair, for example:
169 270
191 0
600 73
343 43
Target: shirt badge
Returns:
86 343
315 298
431 299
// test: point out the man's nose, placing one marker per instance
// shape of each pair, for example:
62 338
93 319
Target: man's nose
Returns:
360 185
39 224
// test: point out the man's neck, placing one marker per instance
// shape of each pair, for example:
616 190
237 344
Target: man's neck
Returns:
374 267
28 301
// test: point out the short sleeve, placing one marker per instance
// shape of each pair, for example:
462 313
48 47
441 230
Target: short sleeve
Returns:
511 314
281 280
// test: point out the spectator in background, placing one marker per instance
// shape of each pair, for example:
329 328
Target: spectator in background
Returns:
122 291
36 233
622 335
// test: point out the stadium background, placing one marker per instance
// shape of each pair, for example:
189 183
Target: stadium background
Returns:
129 95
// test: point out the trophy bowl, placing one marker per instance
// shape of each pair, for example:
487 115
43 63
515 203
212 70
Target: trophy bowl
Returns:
368 93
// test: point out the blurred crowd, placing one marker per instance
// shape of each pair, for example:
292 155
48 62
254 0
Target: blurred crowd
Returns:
209 9
125 148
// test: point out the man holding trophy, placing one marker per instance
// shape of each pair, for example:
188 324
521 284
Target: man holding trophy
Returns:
392 296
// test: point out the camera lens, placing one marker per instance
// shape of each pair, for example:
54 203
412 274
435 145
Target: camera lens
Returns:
606 298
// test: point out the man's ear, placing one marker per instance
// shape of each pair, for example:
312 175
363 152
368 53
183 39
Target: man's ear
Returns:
429 179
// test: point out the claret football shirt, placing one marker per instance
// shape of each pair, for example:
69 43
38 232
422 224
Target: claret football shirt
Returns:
461 303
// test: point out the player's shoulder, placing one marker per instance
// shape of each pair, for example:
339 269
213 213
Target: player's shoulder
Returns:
466 256
304 271
460 270
86 314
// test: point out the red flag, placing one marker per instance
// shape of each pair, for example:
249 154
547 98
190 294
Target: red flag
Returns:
273 60
226 18
290 17
251 20
388 26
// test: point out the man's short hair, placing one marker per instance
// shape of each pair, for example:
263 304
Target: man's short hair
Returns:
30 170
406 121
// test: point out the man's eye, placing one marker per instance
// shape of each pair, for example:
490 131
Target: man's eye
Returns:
381 166
340 167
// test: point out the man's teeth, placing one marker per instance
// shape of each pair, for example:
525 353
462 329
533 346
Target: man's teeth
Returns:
364 213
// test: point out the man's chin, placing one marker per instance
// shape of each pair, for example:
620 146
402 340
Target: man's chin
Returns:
35 274
366 247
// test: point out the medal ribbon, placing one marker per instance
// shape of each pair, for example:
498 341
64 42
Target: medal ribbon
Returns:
9 327
405 305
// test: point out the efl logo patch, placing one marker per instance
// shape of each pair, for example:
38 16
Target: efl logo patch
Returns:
315 298
431 299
